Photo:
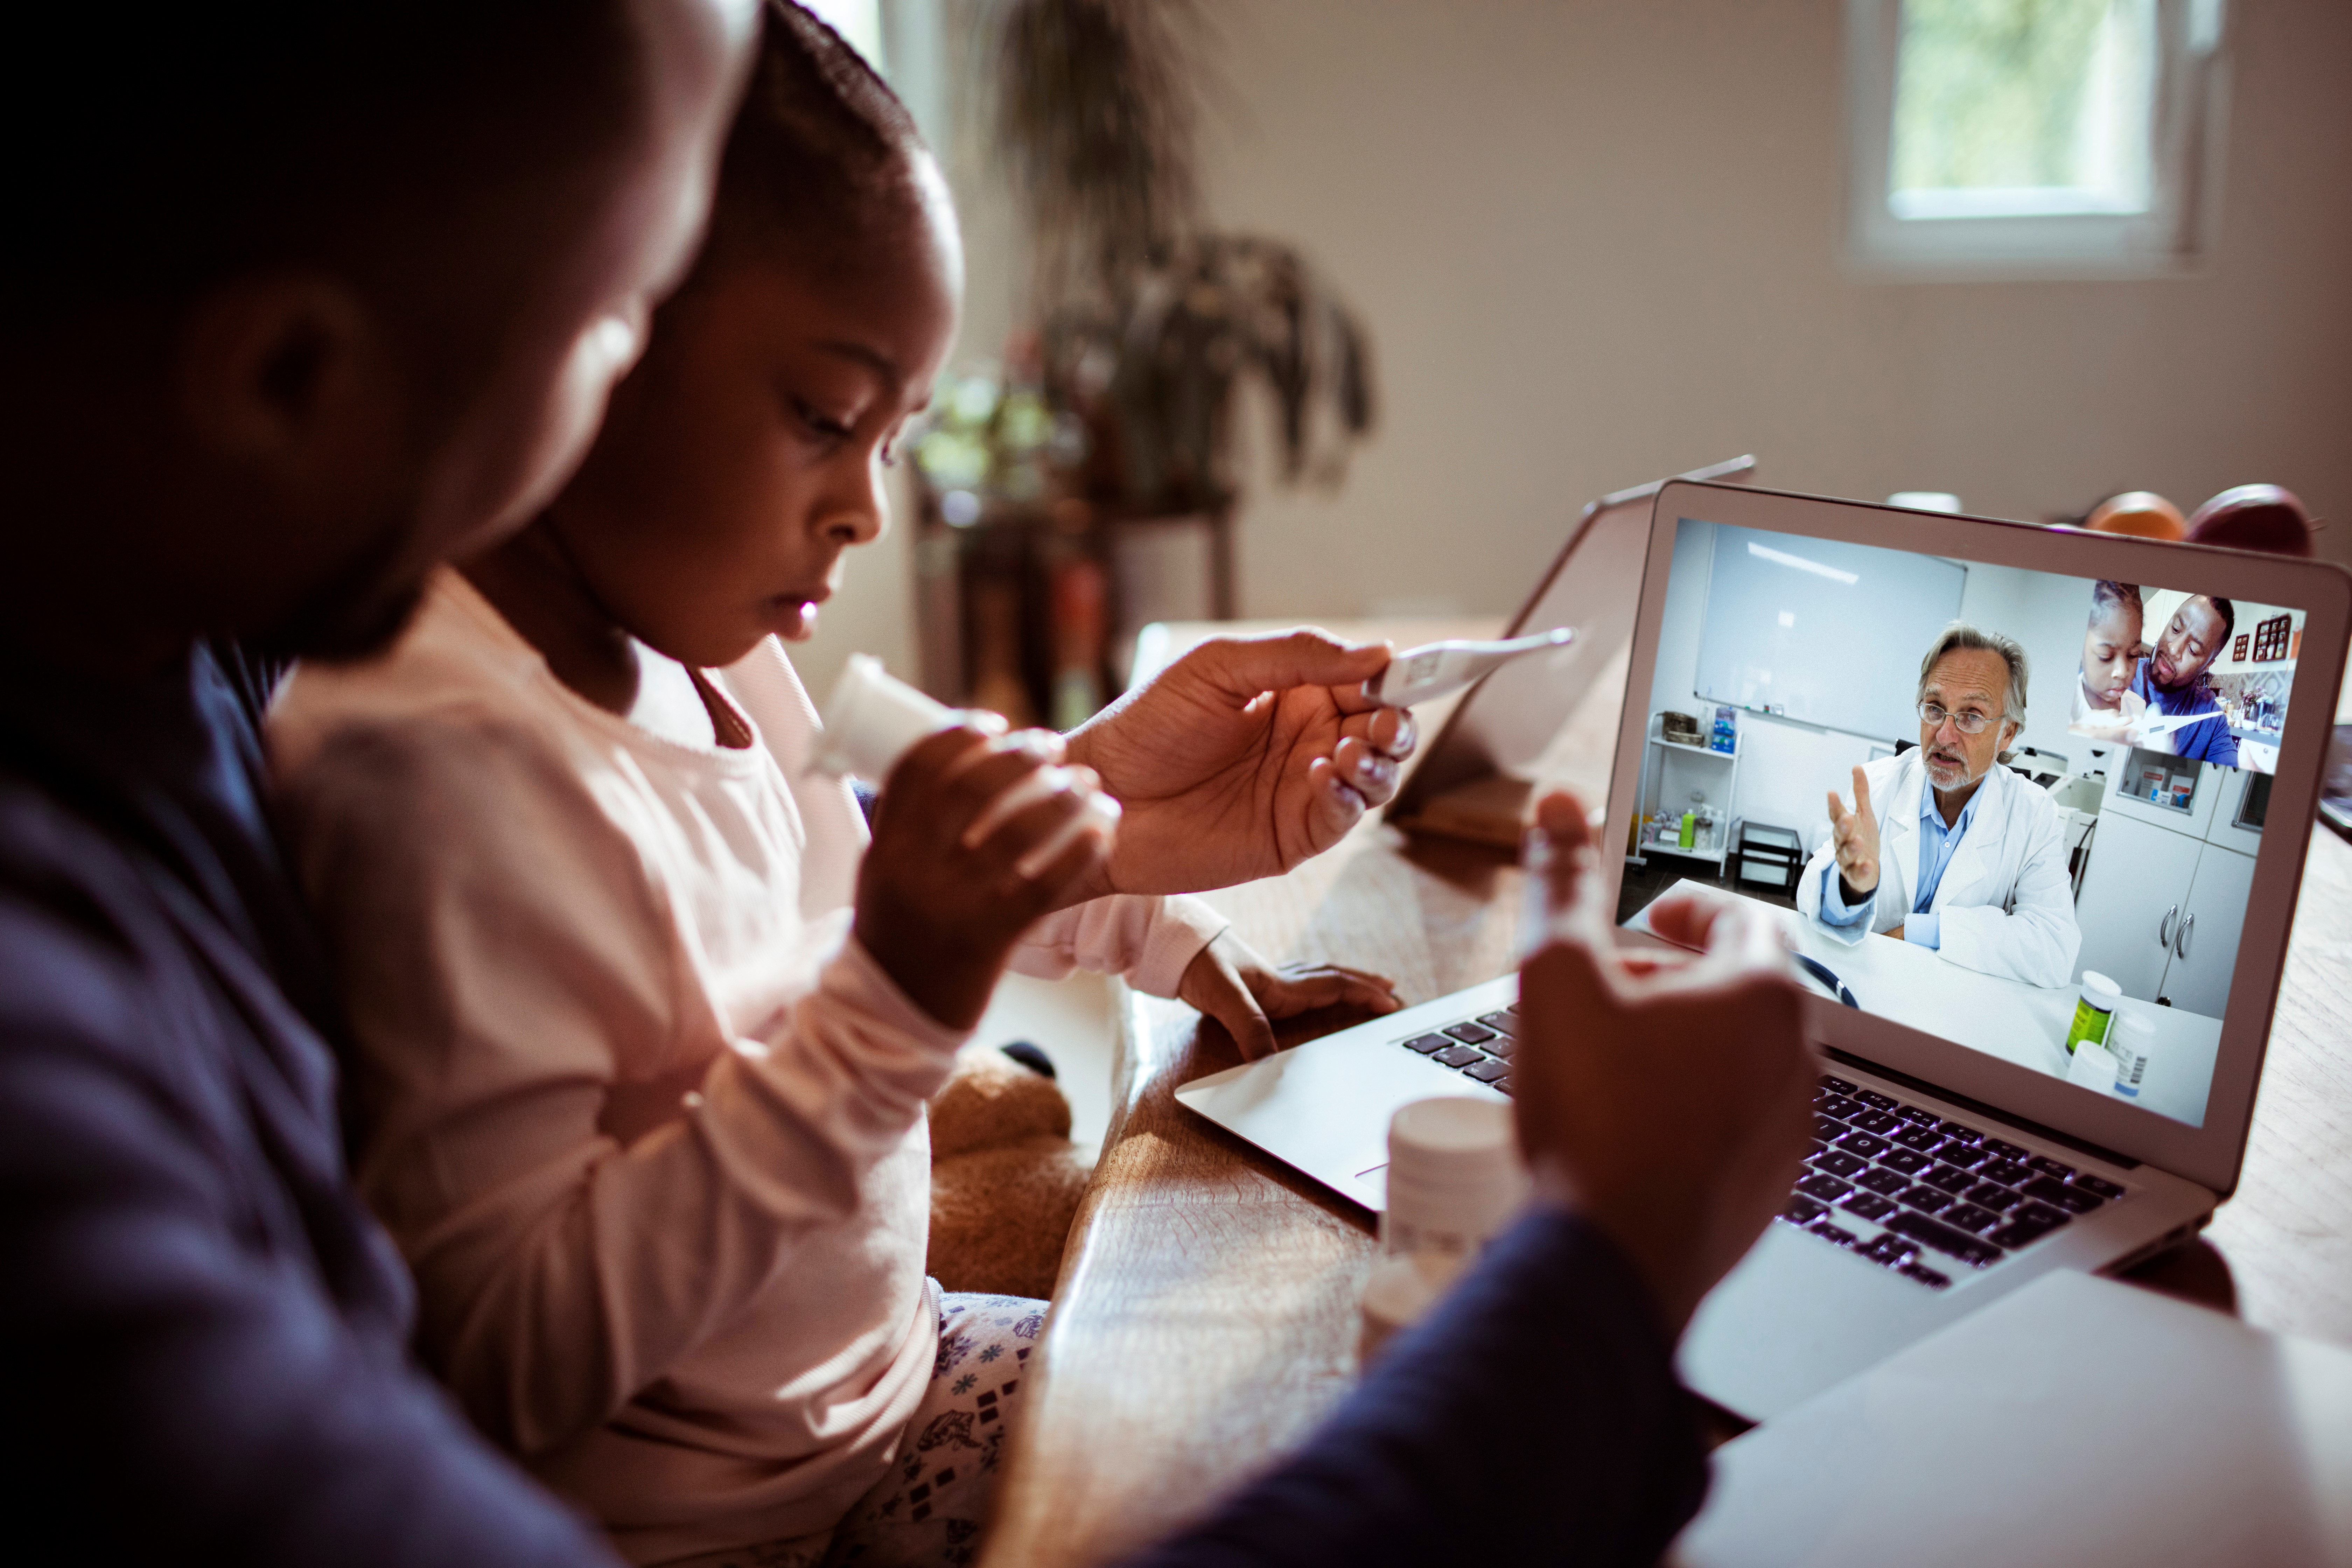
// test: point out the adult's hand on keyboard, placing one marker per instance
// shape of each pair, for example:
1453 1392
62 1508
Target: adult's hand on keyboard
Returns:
1666 1097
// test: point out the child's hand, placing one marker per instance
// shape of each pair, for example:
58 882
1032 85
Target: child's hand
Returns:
1231 983
942 897
2114 722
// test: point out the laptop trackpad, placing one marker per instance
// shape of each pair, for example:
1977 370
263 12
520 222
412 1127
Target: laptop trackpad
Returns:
1324 1108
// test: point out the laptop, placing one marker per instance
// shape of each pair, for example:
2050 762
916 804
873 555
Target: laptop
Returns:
1955 1157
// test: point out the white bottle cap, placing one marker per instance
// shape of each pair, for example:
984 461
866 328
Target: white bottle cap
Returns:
2101 991
871 719
1400 1292
2093 1068
1454 1178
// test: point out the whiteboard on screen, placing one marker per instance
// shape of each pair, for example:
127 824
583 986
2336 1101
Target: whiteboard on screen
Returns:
1821 630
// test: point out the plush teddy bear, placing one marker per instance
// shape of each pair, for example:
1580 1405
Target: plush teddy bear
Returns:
1005 1178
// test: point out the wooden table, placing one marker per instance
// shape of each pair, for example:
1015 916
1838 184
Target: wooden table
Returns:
1206 1314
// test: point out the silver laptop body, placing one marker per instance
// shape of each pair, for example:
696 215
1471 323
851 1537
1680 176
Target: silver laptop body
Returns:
1831 1291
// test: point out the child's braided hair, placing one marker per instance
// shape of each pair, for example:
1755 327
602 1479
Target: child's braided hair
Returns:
821 151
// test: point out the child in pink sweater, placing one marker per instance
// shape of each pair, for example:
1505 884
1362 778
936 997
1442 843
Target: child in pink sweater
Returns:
644 1024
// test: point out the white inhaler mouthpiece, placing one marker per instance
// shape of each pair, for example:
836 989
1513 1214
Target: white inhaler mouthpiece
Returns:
873 719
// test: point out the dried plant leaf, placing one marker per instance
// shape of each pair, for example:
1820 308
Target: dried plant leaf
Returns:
1149 323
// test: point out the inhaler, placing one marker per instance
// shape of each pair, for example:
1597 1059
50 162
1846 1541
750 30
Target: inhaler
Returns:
872 719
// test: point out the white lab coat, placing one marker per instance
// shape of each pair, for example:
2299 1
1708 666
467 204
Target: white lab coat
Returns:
2006 906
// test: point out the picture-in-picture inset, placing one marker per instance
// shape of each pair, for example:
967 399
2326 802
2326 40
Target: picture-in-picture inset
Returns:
2187 675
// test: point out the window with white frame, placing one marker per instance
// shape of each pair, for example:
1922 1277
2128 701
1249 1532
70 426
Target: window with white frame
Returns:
2016 138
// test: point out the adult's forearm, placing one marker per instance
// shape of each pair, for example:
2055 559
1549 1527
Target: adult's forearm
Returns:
1534 1416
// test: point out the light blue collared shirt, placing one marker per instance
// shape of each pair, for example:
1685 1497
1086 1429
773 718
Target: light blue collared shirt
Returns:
1937 842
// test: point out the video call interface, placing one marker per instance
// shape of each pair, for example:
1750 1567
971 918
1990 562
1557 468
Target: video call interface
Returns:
2015 810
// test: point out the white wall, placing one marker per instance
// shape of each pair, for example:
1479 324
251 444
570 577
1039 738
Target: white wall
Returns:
1786 768
1597 242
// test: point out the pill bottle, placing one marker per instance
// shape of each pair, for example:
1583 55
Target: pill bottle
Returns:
2129 1042
2092 1069
2094 1011
1399 1294
1455 1180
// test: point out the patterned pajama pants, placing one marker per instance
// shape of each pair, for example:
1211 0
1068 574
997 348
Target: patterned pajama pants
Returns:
929 1511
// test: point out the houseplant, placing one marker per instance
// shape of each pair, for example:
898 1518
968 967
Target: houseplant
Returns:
1149 323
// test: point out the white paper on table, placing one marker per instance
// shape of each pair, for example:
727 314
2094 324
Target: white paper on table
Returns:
2077 1421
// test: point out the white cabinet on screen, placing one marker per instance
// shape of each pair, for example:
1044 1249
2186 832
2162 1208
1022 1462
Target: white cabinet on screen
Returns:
2134 892
2161 909
2205 948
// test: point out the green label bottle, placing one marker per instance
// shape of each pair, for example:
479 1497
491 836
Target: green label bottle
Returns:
2095 1012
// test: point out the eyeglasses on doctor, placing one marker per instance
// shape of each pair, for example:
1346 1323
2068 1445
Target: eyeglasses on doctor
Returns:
1966 724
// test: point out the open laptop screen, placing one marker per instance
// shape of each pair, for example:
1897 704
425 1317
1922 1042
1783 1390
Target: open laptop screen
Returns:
2058 778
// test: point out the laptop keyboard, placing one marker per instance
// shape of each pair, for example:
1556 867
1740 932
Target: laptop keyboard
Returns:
1477 1047
1912 1190
1897 1184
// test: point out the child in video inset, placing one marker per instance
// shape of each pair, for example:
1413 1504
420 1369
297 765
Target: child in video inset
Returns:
645 1023
2105 707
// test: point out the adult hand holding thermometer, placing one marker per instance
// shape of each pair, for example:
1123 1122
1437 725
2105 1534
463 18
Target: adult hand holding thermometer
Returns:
872 719
1434 669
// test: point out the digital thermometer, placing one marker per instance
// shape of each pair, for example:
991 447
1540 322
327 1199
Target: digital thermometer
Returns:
1434 669
2150 729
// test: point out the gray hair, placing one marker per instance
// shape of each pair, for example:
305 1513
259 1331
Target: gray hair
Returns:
1960 636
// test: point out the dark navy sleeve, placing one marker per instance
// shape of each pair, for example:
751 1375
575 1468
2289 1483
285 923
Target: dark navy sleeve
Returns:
1534 1418
174 1391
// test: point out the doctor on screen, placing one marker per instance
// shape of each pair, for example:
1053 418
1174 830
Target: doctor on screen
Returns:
1944 846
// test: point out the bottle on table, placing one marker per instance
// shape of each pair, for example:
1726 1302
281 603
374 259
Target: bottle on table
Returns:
2094 1012
2129 1041
1455 1180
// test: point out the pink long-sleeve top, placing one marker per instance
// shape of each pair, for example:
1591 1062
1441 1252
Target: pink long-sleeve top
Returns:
642 1115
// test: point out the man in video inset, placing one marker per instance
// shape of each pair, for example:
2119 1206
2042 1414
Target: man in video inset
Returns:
2172 680
1960 854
